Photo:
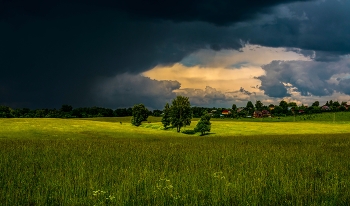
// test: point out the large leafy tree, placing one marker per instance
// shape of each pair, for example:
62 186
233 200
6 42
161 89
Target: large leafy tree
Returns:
203 124
292 104
166 119
5 111
139 114
336 104
259 105
234 110
180 112
317 104
234 107
284 105
66 108
250 107
278 110
330 103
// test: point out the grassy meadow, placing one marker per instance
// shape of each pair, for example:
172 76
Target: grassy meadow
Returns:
106 161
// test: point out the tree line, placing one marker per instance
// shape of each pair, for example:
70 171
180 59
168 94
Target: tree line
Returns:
288 108
282 109
67 111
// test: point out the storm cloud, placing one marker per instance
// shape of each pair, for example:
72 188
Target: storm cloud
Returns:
317 26
219 13
307 77
57 52
126 89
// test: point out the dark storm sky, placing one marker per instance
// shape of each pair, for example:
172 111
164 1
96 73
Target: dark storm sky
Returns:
61 52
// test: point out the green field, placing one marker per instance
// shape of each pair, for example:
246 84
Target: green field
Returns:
101 161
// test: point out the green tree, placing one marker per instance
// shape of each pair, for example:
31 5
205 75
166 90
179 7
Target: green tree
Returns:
317 104
157 113
249 105
180 112
5 111
313 109
259 105
331 103
234 107
242 113
250 108
336 104
139 114
203 124
166 119
342 108
66 108
234 110
284 105
292 104
278 111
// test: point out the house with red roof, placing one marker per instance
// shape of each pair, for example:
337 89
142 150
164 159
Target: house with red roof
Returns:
225 112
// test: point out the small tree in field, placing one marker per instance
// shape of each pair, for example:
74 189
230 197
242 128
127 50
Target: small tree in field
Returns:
180 112
203 124
166 119
139 114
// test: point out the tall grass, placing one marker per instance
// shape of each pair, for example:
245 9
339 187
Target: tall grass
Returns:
89 164
274 170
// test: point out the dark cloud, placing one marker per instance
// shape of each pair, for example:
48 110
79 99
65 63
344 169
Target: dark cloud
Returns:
273 88
308 78
53 52
49 63
319 26
216 12
344 86
242 90
319 55
125 90
242 95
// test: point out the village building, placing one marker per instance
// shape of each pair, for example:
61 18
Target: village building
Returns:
263 113
225 112
325 108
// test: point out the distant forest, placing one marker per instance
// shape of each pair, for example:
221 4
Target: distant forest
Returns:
283 109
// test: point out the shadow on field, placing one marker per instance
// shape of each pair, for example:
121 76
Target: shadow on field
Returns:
207 134
189 131
192 132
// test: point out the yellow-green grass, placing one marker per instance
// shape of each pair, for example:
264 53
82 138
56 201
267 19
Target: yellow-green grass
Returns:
102 162
232 127
112 128
325 117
